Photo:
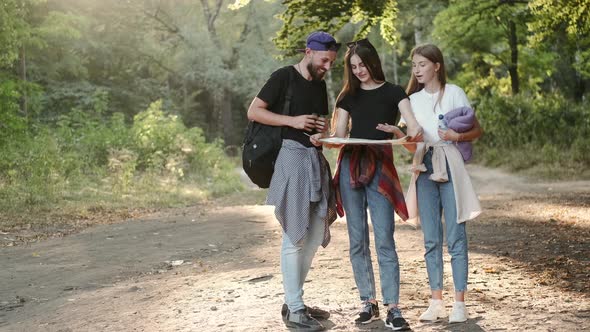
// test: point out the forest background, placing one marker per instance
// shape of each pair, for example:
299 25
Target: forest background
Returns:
136 104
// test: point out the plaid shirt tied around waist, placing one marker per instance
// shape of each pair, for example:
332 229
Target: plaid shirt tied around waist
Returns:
301 190
363 163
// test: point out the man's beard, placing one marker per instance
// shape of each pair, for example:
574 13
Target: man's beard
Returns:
316 75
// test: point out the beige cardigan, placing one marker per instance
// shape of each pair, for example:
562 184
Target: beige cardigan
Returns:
467 203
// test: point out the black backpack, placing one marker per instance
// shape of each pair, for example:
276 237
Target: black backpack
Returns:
262 144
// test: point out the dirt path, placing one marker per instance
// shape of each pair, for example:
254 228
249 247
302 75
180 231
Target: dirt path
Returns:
215 268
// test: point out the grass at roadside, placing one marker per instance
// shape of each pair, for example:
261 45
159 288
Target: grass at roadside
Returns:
545 163
95 202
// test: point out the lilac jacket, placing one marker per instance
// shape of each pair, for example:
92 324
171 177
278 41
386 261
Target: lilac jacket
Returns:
461 120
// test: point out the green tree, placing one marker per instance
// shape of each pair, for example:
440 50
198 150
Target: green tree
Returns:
223 57
15 34
414 26
487 33
14 29
409 19
302 17
563 28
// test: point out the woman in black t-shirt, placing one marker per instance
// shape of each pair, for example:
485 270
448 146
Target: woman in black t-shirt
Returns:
367 178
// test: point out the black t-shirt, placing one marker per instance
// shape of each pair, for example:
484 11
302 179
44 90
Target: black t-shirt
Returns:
308 97
368 108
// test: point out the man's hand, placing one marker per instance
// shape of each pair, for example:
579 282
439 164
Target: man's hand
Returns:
321 125
306 122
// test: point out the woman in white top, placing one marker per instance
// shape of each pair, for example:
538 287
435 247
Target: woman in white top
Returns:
431 96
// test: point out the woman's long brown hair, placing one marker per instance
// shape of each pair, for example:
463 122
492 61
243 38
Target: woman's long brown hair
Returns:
370 58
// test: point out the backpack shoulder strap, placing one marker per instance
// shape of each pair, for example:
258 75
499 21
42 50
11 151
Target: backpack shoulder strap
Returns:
289 95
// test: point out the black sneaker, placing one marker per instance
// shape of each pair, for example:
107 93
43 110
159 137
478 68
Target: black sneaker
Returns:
369 312
395 321
300 320
284 312
314 312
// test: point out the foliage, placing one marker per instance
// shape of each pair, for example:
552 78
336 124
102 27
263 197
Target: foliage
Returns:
524 132
512 121
488 36
11 123
484 75
115 98
155 136
552 14
302 17
82 150
570 17
14 28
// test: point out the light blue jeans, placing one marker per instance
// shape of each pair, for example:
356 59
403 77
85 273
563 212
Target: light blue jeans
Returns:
355 203
434 199
296 260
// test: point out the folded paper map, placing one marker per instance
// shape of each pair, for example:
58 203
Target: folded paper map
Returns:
340 140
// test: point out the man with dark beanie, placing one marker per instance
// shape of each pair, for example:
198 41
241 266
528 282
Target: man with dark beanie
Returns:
301 188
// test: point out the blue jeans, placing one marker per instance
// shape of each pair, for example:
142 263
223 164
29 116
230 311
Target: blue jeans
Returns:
434 199
296 260
355 202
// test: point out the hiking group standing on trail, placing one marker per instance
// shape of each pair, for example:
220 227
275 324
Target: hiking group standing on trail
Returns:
307 199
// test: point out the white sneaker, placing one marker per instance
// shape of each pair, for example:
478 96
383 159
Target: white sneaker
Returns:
459 313
435 311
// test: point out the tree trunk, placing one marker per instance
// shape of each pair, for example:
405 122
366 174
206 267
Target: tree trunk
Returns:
223 127
395 67
185 96
227 124
211 15
513 67
418 27
221 97
331 92
580 85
